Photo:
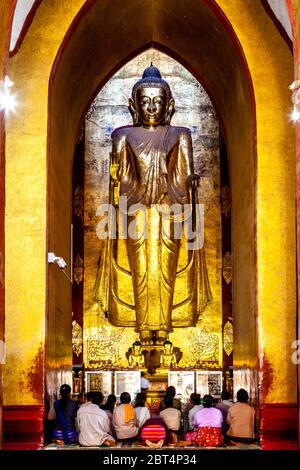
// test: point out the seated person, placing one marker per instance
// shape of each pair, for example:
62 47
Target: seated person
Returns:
124 420
65 415
224 406
154 432
142 412
80 399
208 422
145 384
195 401
170 415
109 407
240 419
93 423
171 391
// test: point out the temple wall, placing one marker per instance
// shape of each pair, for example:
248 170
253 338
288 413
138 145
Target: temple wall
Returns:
195 111
264 209
26 210
294 14
275 208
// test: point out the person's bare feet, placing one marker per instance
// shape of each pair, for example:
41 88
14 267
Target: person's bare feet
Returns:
184 443
149 443
159 444
109 443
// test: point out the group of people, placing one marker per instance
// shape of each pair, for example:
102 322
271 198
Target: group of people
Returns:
93 423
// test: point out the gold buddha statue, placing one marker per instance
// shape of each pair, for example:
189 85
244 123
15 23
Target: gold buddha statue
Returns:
168 357
148 278
135 356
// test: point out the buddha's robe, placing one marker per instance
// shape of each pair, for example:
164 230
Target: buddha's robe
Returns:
150 280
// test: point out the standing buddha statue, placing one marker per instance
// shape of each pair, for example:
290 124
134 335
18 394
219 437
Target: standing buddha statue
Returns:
149 279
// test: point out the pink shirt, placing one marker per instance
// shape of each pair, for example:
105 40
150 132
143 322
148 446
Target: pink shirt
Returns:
211 417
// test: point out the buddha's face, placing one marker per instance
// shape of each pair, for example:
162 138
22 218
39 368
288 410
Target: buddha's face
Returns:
136 350
151 106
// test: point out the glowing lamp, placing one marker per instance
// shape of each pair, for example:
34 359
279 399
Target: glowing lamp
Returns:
8 101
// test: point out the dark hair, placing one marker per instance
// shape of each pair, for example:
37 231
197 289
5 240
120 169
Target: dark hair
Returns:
143 374
171 391
195 398
89 396
65 391
225 395
208 401
168 401
97 398
242 395
110 403
140 400
125 398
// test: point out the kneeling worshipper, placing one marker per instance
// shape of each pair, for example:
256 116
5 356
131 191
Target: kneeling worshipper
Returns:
241 419
208 422
154 433
65 414
124 420
93 423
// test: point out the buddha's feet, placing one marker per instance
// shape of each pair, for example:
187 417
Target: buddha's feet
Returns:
161 337
146 338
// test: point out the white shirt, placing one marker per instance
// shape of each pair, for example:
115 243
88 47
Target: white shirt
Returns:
93 424
144 383
171 417
142 413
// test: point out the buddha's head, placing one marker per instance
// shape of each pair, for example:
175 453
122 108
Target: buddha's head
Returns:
137 347
168 347
152 103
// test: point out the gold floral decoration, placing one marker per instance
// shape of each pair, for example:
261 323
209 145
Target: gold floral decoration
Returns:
226 201
228 338
78 202
78 269
103 348
77 340
227 267
204 346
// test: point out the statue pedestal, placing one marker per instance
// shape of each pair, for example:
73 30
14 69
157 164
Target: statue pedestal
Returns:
157 390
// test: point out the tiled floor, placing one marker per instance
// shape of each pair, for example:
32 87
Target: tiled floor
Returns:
137 445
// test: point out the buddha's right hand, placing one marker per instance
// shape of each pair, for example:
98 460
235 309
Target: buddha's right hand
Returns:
114 171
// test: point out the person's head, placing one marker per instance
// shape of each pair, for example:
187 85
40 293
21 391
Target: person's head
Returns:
225 395
97 398
89 396
152 103
168 401
208 401
195 398
125 398
171 391
143 374
242 395
110 403
140 400
111 400
65 391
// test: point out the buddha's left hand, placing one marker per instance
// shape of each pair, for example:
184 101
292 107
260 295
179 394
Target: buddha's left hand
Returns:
193 181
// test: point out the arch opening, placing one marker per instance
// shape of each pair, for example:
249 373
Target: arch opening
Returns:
81 70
